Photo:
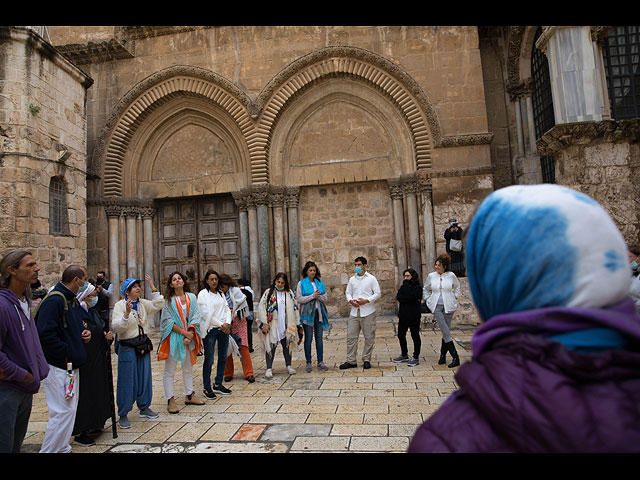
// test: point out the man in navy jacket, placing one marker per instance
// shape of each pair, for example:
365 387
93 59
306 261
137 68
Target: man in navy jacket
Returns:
62 330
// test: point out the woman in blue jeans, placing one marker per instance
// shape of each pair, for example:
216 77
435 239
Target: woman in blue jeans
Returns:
311 295
215 326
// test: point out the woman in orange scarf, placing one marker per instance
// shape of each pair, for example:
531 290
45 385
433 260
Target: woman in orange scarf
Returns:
181 341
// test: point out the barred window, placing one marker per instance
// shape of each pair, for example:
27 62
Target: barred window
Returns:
58 214
621 55
543 116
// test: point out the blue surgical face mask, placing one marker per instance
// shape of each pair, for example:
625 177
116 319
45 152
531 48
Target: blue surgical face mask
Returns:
358 270
93 302
279 288
634 265
83 287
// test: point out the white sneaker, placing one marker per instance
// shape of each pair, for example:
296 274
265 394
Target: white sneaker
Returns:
291 370
268 373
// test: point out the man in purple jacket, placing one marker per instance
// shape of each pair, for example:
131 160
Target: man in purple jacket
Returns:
556 362
22 363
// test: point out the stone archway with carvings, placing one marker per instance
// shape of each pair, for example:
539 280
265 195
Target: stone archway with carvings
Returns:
108 160
362 65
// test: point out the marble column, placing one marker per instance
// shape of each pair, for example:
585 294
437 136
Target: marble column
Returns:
261 196
575 77
427 222
132 234
147 213
139 246
292 199
410 189
254 253
395 190
113 218
277 207
243 217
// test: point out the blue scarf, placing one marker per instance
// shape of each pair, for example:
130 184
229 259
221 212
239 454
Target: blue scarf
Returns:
307 289
307 310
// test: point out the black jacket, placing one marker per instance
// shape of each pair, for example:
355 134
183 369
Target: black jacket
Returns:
409 295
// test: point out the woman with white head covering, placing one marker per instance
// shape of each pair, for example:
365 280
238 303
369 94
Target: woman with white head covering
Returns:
556 363
96 394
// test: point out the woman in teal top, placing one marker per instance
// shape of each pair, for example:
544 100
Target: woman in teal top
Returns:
311 295
181 341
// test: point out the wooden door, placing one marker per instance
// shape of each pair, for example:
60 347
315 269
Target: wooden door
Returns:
198 234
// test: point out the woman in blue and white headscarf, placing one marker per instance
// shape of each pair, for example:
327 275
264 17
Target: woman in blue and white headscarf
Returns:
556 362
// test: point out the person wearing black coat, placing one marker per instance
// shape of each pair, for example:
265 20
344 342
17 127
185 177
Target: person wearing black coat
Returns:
409 296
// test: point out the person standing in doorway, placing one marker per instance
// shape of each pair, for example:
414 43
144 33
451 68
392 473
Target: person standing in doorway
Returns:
105 292
454 246
362 292
22 362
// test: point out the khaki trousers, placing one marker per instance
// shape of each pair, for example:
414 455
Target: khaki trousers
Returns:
368 326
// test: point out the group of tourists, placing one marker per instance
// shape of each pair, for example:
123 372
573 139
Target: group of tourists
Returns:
555 362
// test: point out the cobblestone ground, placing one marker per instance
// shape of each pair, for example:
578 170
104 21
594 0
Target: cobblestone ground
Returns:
354 410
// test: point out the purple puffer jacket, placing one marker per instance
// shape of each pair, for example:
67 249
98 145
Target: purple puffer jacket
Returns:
522 392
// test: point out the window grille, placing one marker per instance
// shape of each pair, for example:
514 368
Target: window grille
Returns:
621 55
58 221
542 100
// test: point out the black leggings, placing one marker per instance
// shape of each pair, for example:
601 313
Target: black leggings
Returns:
285 350
414 326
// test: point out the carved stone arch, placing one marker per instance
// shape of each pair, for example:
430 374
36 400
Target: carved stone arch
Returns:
186 146
519 50
403 91
155 90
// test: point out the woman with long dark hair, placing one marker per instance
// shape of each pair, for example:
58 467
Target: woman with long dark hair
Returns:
181 341
215 326
409 297
311 296
278 317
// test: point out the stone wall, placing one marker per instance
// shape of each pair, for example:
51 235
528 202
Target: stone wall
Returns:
42 110
601 159
341 222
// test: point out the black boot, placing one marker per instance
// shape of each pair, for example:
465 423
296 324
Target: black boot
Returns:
454 354
443 353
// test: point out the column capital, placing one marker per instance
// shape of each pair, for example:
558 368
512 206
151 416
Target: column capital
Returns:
240 198
277 195
409 183
292 196
395 188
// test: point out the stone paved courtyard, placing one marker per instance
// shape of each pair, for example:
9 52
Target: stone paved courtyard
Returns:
354 410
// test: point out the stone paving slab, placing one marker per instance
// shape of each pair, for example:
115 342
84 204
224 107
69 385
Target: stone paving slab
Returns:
333 411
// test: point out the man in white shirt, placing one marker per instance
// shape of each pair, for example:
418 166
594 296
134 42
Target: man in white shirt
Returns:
362 291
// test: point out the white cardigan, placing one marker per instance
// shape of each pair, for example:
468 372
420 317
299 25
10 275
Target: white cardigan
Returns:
214 311
450 291
128 327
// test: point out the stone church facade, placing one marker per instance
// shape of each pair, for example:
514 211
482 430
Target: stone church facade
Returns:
252 149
